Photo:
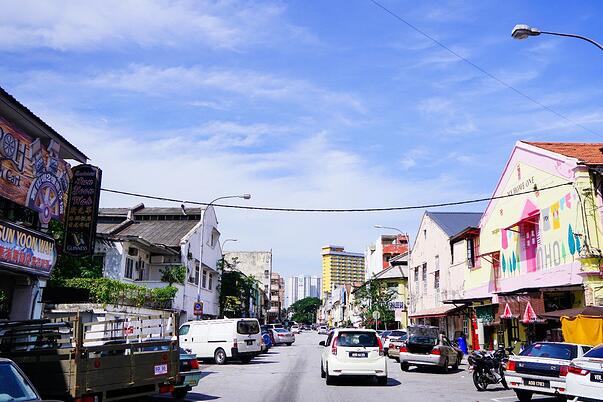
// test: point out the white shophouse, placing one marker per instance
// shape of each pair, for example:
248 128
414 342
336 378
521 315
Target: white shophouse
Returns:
137 244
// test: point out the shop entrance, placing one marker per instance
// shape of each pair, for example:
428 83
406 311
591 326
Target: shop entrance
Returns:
7 286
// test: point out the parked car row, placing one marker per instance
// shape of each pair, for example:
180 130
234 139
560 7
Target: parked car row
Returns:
558 369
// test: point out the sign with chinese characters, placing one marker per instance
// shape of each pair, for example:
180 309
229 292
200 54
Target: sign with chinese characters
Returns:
24 250
31 174
82 210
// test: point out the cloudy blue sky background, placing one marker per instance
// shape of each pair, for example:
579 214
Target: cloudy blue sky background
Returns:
303 104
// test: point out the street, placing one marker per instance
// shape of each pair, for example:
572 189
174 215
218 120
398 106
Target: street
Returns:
293 374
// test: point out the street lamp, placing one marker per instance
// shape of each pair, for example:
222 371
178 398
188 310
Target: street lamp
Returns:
243 196
523 31
387 227
226 241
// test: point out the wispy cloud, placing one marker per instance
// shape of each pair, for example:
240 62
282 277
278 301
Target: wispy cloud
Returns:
75 25
158 81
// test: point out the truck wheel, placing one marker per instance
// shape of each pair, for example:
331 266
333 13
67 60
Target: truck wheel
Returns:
404 366
220 356
179 393
245 360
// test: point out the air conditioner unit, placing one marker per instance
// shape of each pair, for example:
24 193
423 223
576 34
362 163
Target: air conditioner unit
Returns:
133 251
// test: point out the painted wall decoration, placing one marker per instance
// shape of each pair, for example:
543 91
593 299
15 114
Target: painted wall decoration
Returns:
25 250
540 240
31 174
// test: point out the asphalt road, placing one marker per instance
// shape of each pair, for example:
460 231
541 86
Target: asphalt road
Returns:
292 373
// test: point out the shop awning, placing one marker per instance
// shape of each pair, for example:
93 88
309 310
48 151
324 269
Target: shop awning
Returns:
441 311
591 311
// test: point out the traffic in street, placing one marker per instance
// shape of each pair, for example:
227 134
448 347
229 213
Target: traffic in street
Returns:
292 373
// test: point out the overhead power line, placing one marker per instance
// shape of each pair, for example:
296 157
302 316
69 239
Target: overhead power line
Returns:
335 210
480 69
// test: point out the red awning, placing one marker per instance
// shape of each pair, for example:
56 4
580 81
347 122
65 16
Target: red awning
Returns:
441 311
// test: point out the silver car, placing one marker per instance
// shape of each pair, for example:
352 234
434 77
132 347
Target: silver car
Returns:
427 348
283 337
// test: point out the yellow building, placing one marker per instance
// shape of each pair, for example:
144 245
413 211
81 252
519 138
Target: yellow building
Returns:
340 267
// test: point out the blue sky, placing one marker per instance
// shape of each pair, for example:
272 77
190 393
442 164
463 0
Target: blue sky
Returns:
303 104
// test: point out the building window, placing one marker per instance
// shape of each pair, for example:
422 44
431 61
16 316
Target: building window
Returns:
476 252
470 254
215 235
266 273
436 280
211 280
129 268
141 267
424 277
204 282
194 277
416 274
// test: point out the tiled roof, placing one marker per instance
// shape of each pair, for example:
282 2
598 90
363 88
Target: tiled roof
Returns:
148 211
105 228
454 222
587 153
168 233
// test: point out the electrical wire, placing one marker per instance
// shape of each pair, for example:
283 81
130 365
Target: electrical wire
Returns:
334 210
480 69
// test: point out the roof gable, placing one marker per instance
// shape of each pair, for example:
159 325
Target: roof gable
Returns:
453 223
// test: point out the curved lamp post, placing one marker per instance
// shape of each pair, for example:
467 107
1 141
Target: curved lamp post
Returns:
523 31
243 196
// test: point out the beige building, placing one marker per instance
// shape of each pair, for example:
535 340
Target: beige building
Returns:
340 267
277 297
443 252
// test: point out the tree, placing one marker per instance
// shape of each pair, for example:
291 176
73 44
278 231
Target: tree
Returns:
68 267
373 296
236 290
304 310
173 274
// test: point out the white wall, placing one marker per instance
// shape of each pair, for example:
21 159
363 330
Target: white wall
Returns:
211 256
431 244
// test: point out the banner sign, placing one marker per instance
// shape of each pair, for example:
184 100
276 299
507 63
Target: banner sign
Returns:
31 174
82 210
24 250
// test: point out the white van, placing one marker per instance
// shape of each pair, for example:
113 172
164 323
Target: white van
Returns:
230 338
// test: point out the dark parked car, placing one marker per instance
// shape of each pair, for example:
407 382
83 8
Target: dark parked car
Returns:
15 386
189 372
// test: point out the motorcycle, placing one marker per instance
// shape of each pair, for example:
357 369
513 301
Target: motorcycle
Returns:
488 368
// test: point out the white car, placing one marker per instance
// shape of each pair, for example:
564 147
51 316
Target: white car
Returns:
295 329
323 330
353 352
585 376
541 368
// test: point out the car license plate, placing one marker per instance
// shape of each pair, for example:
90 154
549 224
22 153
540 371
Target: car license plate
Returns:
161 369
596 377
249 342
358 354
537 383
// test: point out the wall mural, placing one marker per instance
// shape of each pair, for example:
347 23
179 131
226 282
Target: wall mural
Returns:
540 240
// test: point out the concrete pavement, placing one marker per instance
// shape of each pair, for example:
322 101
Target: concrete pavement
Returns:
292 373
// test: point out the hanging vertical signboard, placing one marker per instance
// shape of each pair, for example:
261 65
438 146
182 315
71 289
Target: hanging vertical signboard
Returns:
82 210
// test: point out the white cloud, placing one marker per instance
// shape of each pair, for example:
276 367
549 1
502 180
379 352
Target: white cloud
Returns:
309 173
153 80
76 25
